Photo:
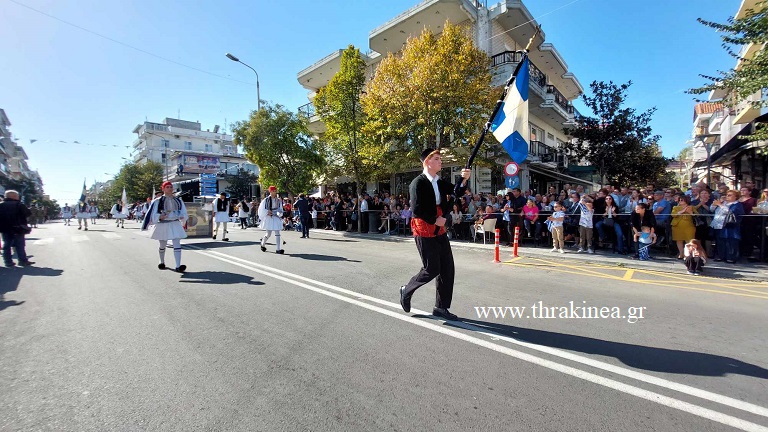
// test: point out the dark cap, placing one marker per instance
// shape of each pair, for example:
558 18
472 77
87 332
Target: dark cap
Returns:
426 152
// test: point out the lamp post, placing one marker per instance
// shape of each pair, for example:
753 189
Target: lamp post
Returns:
258 96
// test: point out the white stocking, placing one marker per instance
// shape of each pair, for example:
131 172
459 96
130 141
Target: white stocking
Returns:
177 251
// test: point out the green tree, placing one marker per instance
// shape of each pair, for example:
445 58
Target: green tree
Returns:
617 140
278 141
436 93
348 151
750 76
138 181
240 183
27 188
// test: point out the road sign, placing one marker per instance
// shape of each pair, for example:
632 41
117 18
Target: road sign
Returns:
511 169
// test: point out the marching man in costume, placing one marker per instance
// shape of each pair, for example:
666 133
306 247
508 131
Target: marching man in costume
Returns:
94 211
271 215
430 200
166 216
83 213
221 215
117 213
66 214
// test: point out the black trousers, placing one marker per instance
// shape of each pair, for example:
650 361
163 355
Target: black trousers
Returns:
305 221
437 263
694 264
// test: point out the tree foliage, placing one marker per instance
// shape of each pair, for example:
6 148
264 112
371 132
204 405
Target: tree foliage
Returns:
27 188
138 181
750 76
435 93
240 183
278 141
617 140
348 151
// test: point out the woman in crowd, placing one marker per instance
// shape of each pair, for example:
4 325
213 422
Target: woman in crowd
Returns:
640 218
531 217
750 226
384 216
610 220
457 220
726 223
703 219
683 229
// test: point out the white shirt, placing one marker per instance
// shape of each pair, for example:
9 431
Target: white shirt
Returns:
434 185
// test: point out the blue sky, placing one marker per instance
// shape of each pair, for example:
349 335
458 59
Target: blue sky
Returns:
61 83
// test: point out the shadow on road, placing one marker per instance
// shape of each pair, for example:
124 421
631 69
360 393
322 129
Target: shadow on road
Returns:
11 277
334 240
316 257
636 356
218 278
223 244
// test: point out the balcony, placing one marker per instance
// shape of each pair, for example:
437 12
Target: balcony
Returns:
746 111
716 121
556 100
504 64
539 149
314 124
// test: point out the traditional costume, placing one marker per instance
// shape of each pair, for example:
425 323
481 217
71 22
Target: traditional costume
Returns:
271 216
430 200
117 213
66 214
94 211
83 214
221 215
165 221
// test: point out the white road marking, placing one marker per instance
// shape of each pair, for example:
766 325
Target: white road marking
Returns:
607 382
43 241
80 238
111 235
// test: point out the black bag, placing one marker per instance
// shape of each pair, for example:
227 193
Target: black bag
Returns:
21 229
730 220
608 222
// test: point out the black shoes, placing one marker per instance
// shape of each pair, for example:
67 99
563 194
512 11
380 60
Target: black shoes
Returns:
161 266
281 251
181 268
225 239
444 313
405 302
214 236
26 263
263 248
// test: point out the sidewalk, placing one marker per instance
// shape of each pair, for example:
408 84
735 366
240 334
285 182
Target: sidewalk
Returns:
745 271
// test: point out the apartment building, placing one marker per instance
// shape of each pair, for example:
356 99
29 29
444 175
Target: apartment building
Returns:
13 158
501 31
187 152
717 127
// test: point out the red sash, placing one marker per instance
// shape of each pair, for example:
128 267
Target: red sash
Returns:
422 228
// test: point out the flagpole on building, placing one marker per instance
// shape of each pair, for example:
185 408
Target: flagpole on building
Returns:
500 102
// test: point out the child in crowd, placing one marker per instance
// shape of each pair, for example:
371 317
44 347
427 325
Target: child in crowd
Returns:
555 223
645 238
585 225
695 257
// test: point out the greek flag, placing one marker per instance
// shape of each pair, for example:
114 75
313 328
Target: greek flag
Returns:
510 125
82 194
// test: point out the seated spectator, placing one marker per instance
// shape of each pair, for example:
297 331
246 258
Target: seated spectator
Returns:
531 217
695 257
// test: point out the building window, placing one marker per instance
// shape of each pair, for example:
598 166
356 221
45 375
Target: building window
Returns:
166 143
209 148
536 133
187 145
162 157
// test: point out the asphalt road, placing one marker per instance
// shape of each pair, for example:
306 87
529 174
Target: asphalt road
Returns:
95 337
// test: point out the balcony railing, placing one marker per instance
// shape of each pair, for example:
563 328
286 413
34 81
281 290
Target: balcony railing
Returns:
511 57
538 148
307 110
559 98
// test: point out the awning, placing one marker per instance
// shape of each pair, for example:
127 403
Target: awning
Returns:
564 177
733 145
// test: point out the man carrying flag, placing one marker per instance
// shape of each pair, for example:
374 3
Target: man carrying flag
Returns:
430 200
82 210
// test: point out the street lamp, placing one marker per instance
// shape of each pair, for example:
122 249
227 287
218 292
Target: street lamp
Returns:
258 96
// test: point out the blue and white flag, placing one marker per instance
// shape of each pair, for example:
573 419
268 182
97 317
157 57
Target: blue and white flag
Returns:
510 125
82 194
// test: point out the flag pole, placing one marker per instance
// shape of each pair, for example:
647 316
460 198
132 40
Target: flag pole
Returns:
501 100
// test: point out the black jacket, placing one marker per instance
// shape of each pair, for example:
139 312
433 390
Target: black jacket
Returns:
302 206
423 204
12 213
648 219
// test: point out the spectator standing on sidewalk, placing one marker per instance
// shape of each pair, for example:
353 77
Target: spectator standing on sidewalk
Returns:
13 226
555 223
302 207
585 225
683 229
727 226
